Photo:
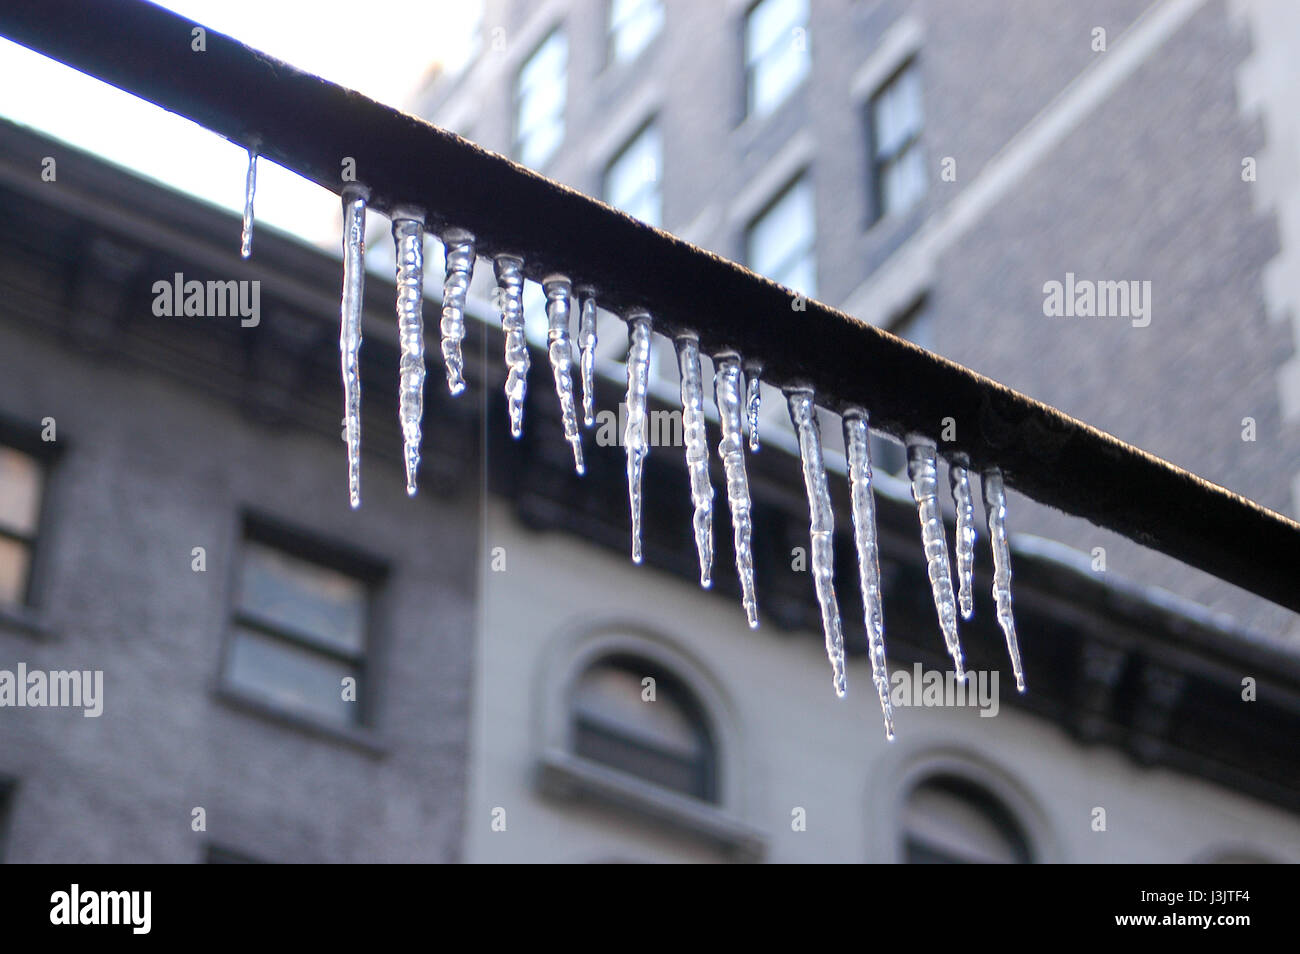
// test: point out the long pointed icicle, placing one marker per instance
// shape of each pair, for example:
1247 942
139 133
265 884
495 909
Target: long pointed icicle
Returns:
753 401
995 507
510 298
959 478
727 387
354 281
695 436
803 414
250 187
459 247
634 437
587 342
857 447
408 242
922 468
559 295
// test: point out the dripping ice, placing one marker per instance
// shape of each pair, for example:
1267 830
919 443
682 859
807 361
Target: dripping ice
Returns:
558 296
727 388
803 414
959 479
587 343
922 468
634 437
510 296
995 508
753 402
408 241
459 248
250 187
857 447
354 279
695 437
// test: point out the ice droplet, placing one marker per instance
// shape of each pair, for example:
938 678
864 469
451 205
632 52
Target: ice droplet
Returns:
459 247
857 447
354 281
922 468
510 298
250 187
634 437
959 478
587 342
803 414
995 508
408 242
695 437
753 401
558 296
727 387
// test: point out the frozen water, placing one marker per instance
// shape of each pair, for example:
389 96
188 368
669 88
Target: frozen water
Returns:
354 280
459 247
753 401
408 243
959 478
510 300
559 294
695 436
634 437
250 187
995 507
922 468
727 386
857 448
803 414
587 343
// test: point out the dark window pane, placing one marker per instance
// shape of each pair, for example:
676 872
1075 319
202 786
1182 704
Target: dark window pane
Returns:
289 594
290 675
950 819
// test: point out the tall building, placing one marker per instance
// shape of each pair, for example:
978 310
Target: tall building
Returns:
943 170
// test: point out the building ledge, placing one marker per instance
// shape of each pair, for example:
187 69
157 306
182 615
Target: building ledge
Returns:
562 775
367 740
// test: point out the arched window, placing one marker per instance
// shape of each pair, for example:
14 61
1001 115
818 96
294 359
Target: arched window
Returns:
952 820
655 730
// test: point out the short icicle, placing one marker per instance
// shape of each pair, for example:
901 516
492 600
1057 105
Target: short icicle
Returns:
803 414
753 400
857 447
510 297
559 294
354 280
587 344
459 247
959 478
408 243
250 187
634 437
695 436
727 394
995 508
922 468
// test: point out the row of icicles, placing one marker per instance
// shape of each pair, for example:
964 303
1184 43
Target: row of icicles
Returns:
736 388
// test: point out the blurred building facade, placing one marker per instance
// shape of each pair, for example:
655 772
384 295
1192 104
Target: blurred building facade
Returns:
930 167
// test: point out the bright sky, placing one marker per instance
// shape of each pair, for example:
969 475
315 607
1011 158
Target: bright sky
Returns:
60 102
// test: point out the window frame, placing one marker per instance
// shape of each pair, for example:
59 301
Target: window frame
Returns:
802 177
879 164
26 439
650 125
751 64
516 100
612 57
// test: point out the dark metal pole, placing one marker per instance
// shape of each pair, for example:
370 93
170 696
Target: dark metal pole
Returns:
310 126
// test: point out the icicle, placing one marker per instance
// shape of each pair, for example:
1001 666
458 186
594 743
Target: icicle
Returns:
408 242
587 342
727 395
634 437
922 467
459 246
753 401
558 295
995 507
354 280
250 186
959 478
510 299
803 414
857 447
695 436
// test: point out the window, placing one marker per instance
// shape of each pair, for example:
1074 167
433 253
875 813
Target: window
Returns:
539 101
632 179
952 820
22 482
781 242
299 631
632 25
663 739
898 164
776 52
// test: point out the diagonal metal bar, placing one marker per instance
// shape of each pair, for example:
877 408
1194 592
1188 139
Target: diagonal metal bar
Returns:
310 125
